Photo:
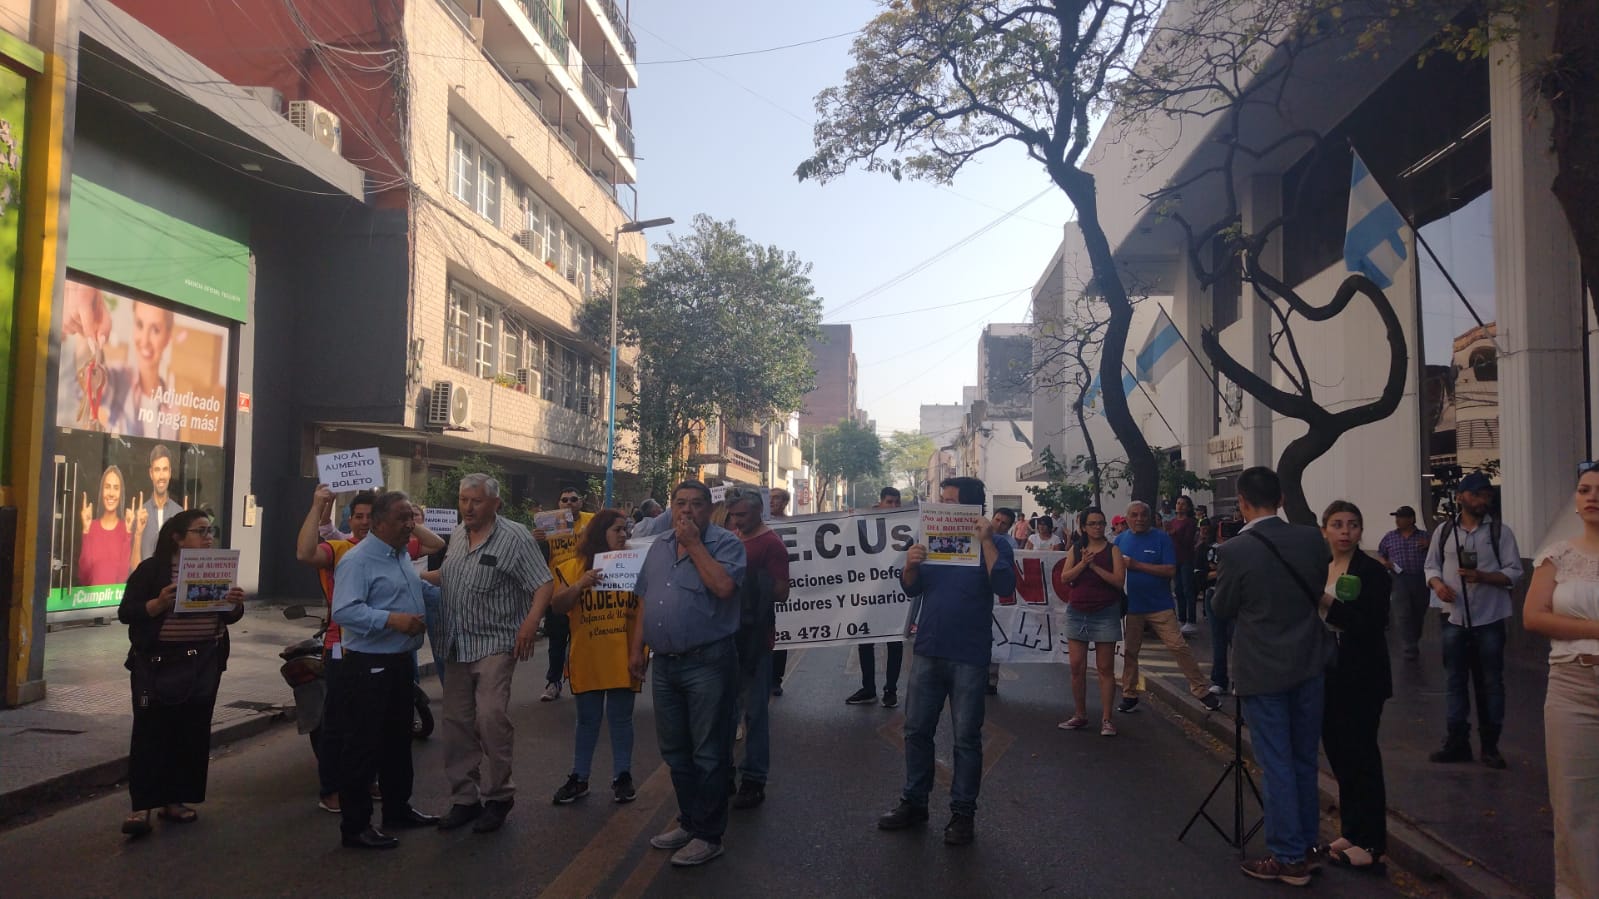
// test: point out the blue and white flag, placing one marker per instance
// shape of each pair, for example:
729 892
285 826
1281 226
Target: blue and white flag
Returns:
1159 353
1129 384
1374 244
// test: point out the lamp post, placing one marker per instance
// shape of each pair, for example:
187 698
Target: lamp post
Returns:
616 281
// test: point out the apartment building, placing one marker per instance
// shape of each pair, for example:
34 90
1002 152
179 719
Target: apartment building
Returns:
496 141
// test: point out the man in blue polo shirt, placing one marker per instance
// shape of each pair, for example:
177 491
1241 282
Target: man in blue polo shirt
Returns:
689 592
1151 565
952 650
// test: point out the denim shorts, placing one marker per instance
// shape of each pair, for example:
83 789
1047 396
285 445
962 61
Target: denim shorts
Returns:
1103 626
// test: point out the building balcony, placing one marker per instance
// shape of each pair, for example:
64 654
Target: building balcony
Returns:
618 50
534 49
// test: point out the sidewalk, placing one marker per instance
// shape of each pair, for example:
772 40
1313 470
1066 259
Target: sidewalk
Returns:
75 740
1489 833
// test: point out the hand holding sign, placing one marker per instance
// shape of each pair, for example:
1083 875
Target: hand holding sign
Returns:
349 470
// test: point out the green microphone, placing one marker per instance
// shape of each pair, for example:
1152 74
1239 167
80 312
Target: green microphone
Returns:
1347 588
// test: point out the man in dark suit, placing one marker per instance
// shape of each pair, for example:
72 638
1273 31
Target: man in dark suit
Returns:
1270 580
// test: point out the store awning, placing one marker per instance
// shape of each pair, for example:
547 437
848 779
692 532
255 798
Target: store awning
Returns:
120 58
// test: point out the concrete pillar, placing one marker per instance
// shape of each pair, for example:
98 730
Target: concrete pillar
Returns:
1191 312
1263 204
1540 304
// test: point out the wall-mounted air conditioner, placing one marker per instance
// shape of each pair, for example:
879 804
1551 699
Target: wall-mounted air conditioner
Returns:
449 406
323 126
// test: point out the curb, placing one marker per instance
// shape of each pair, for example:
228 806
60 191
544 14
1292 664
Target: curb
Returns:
21 805
1416 848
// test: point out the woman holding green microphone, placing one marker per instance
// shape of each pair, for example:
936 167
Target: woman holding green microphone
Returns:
1355 606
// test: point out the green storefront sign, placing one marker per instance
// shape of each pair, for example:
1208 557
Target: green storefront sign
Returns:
123 240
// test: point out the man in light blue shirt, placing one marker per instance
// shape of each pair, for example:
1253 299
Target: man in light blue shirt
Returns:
1151 565
378 602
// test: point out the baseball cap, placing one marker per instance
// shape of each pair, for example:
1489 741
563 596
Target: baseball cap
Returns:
1403 512
1474 482
1118 520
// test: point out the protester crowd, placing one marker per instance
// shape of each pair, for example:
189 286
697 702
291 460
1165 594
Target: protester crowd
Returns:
1298 619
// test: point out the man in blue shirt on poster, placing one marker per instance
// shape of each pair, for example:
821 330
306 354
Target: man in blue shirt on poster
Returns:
953 642
1151 565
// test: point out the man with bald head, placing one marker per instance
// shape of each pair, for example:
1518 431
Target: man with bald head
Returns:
1151 565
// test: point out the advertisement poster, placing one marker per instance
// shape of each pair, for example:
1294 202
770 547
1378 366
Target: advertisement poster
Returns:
138 369
950 533
204 578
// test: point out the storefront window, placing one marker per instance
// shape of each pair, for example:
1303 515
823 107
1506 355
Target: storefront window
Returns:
1461 412
140 413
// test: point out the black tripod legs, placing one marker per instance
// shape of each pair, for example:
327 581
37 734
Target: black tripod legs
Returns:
1238 773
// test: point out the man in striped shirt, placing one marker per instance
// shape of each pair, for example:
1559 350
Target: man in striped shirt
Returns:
496 588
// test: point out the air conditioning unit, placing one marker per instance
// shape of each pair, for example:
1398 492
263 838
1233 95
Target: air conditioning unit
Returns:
532 241
322 125
529 378
449 406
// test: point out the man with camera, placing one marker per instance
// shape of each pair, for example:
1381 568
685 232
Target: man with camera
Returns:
1472 565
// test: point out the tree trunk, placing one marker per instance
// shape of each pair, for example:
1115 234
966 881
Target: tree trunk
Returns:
1079 188
1291 465
1571 85
1088 441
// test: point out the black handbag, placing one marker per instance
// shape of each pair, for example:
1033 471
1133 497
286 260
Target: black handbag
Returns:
174 674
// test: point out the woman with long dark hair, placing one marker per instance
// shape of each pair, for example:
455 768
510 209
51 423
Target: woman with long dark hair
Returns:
1094 575
176 662
1357 686
596 664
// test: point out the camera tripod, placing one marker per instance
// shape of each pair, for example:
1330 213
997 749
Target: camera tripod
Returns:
1238 772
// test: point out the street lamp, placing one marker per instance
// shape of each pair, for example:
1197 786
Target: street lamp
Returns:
616 280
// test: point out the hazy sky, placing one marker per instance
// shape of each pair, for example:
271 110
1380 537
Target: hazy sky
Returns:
723 137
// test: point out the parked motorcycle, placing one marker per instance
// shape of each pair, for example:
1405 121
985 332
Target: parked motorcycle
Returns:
303 671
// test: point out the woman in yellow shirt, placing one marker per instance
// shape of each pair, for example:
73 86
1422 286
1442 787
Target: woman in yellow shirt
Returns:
596 665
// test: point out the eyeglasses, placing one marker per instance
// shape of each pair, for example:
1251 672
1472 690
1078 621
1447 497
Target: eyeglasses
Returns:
207 531
571 499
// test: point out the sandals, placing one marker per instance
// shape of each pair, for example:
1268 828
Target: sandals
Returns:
137 824
182 815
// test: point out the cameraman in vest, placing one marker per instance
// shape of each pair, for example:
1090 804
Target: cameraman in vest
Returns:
1472 565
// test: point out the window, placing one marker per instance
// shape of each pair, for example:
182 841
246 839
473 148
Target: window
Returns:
474 175
554 382
552 238
585 267
511 345
533 224
484 355
569 253
458 328
569 378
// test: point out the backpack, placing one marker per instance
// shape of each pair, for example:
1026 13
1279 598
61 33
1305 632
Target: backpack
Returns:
1494 531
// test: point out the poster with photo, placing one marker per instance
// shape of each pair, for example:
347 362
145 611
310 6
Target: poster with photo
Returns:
950 533
136 368
112 496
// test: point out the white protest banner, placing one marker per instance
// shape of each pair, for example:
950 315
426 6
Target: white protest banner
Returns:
844 570
204 578
718 493
950 533
441 520
1030 624
350 470
619 569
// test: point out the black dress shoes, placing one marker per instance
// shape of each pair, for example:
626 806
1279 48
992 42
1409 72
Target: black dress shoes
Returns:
459 815
494 812
409 818
904 815
371 838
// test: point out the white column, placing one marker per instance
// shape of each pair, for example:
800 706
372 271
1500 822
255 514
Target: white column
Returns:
1263 204
1540 305
1191 312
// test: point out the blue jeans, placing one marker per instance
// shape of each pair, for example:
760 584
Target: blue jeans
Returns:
696 697
932 681
616 706
1285 730
755 697
1184 586
1221 639
1477 653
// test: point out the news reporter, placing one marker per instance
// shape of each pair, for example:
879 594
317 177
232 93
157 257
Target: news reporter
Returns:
1357 686
176 663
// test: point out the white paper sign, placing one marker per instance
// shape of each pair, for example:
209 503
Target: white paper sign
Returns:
619 570
718 493
441 520
204 578
350 470
949 532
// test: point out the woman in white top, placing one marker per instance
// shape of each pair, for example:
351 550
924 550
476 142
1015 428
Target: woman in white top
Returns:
1563 605
1046 537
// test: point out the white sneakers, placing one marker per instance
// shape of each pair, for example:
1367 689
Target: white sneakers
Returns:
690 849
676 838
1188 630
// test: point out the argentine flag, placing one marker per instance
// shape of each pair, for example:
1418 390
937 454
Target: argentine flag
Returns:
1159 353
1129 384
1374 243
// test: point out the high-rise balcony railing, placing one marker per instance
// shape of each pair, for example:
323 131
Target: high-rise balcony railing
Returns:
624 135
619 22
594 89
548 26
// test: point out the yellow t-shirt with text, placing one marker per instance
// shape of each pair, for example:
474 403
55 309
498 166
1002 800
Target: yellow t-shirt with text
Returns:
601 622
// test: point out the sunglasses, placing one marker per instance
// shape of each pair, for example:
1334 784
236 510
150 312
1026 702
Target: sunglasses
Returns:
571 499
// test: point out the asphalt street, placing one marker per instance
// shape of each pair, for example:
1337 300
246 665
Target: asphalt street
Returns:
1061 814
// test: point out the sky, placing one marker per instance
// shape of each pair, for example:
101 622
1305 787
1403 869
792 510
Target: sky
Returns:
723 137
